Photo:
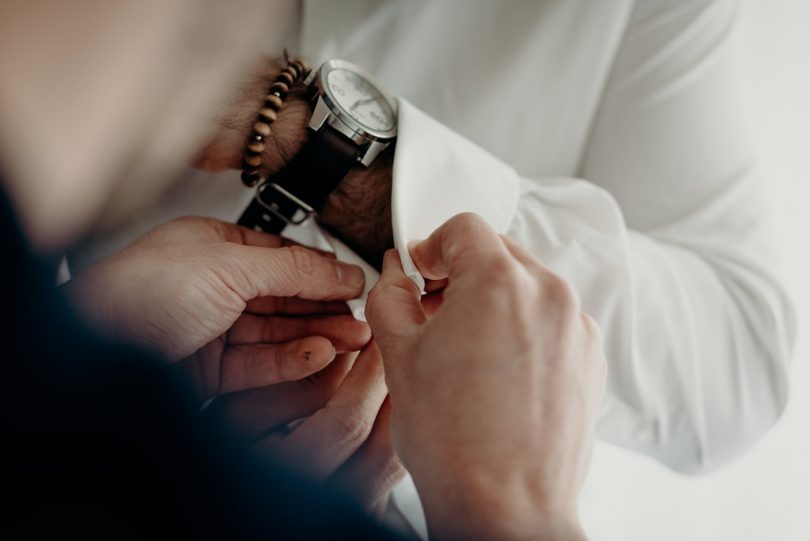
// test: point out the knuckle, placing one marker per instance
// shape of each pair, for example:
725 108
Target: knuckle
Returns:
353 425
459 229
372 300
594 337
381 301
506 281
602 363
592 327
303 260
191 219
279 305
267 331
464 223
375 293
559 292
185 220
503 271
254 367
382 290
280 367
392 471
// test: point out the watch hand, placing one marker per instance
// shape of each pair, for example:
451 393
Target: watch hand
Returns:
358 103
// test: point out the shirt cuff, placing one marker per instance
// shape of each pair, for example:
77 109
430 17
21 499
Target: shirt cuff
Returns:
438 174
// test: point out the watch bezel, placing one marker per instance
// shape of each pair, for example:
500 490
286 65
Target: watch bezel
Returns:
357 129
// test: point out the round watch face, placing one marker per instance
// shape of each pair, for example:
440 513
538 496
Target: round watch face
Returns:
360 99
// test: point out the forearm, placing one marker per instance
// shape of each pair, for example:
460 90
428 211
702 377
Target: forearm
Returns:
358 212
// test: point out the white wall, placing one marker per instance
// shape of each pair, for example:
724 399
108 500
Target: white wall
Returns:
766 494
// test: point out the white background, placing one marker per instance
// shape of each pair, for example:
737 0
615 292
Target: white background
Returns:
766 493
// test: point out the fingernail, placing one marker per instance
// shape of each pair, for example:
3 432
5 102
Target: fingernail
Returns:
350 275
414 243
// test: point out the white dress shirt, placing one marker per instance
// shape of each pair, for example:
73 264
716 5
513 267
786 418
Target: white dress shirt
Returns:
607 138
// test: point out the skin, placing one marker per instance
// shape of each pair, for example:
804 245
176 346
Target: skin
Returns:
520 388
76 146
515 409
257 323
511 478
102 102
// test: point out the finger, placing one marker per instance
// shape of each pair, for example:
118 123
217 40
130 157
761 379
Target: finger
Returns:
251 366
289 242
462 243
231 232
523 256
375 468
432 302
323 442
287 272
294 306
393 308
238 234
345 332
435 285
378 509
256 412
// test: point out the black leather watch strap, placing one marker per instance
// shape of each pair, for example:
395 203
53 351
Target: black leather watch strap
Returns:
303 186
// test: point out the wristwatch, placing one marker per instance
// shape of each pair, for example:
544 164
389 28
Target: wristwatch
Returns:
353 120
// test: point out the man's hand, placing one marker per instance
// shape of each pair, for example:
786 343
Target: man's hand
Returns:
258 326
198 286
345 437
495 395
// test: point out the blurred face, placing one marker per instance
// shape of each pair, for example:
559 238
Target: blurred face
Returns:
102 101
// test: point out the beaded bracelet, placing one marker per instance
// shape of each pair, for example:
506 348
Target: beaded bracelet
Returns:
293 73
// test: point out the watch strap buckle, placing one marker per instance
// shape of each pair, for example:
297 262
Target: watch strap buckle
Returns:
301 211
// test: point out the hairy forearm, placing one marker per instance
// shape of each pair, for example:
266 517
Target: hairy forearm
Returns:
358 212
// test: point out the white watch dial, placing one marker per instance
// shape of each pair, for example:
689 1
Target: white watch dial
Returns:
360 99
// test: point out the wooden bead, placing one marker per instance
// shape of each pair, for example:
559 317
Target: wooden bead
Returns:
249 168
267 115
304 72
257 147
292 70
250 179
262 128
273 102
286 78
253 161
280 88
300 66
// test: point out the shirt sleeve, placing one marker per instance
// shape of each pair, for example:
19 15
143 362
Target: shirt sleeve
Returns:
667 242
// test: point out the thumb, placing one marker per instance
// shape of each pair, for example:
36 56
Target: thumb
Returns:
292 271
462 243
